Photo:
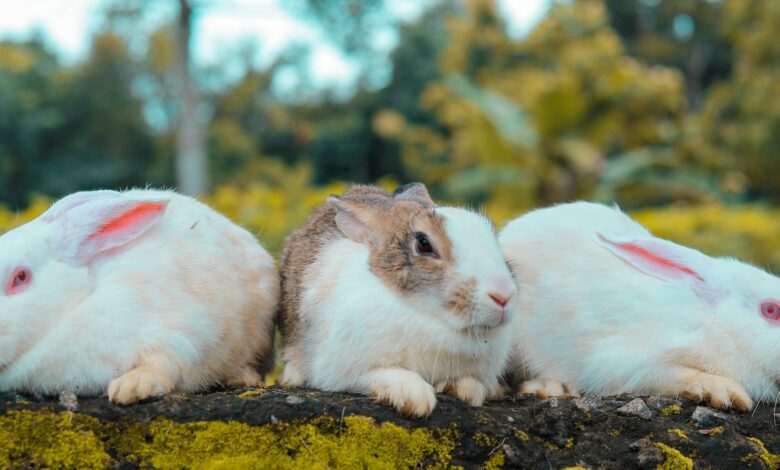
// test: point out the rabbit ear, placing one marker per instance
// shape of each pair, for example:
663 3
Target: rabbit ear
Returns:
666 260
414 192
354 219
106 223
76 199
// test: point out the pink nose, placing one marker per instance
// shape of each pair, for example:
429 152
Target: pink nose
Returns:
500 298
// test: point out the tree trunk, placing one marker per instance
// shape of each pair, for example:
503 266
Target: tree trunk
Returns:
191 158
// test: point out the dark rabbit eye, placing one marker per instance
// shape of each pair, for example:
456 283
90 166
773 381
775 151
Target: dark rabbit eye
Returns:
424 246
770 310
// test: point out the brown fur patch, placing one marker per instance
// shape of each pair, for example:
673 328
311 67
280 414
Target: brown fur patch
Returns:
461 299
396 262
303 246
414 192
395 220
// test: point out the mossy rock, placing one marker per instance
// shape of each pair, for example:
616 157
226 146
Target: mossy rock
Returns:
299 428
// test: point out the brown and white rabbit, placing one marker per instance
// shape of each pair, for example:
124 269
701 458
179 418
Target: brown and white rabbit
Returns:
135 294
389 295
609 308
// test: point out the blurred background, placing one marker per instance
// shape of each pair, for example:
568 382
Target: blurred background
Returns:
670 108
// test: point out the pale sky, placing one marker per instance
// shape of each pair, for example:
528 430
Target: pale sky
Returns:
223 25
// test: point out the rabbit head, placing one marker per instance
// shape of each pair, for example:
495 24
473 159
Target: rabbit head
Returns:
445 260
44 264
741 300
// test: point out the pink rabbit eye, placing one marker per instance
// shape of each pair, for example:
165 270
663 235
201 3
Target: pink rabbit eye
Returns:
770 310
20 279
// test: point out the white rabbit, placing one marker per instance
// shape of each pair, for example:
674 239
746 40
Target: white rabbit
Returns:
135 294
390 295
608 308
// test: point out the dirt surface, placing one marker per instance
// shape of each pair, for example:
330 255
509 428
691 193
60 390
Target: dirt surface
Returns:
519 432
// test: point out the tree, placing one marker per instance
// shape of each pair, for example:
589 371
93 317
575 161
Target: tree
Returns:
739 120
64 129
538 120
191 157
684 34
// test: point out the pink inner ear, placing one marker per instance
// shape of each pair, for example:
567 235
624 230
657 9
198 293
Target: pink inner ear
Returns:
134 216
670 262
650 257
652 261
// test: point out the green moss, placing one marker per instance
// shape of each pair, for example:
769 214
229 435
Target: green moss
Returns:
496 456
771 460
547 444
675 460
522 435
679 433
255 392
483 440
495 461
615 432
57 440
48 439
671 410
713 431
483 419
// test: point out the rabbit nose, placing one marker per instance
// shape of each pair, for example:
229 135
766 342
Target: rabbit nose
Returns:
501 291
501 296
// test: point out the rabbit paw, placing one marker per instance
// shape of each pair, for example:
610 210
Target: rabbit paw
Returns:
498 391
292 376
466 389
545 388
246 377
138 384
718 392
405 390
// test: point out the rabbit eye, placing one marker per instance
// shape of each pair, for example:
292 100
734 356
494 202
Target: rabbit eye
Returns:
424 246
770 310
20 279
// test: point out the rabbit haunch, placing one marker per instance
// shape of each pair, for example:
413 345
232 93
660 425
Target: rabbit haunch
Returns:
137 294
609 308
389 295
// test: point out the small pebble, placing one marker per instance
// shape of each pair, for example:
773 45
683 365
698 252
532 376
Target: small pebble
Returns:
511 455
18 398
553 402
704 417
659 403
636 407
587 403
293 400
648 455
510 419
69 400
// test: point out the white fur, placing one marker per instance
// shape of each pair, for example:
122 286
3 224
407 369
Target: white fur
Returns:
595 322
172 299
363 336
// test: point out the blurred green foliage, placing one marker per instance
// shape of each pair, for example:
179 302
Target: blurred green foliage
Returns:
748 232
641 102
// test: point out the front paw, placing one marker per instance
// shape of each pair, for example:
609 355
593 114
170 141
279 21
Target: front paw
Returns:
716 391
466 389
292 376
245 377
404 390
138 384
546 388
